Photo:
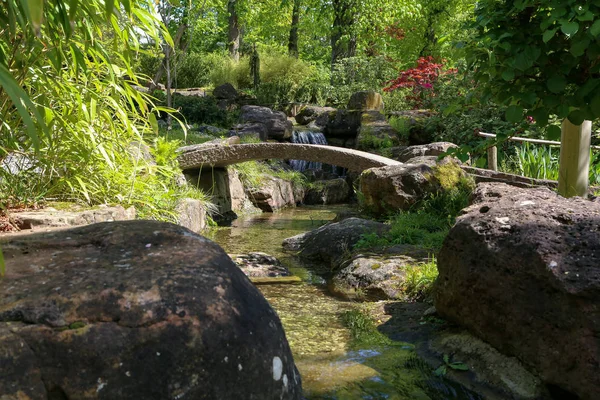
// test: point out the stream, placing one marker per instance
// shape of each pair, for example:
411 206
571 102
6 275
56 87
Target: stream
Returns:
331 365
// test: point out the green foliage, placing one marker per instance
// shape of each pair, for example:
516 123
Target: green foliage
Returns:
538 162
415 228
402 126
198 109
454 365
286 79
353 74
419 279
226 70
369 141
539 58
363 330
254 174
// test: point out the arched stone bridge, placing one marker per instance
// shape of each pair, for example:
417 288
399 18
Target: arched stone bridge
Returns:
192 157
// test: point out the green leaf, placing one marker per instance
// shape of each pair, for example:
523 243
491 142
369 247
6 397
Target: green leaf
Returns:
577 117
595 28
508 75
562 111
35 11
549 34
588 16
595 105
110 6
553 132
459 366
440 371
579 47
569 28
23 104
557 84
153 122
514 114
540 115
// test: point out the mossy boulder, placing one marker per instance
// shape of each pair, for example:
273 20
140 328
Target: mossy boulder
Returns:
390 189
136 310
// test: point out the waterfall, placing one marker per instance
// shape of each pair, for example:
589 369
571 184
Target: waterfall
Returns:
307 137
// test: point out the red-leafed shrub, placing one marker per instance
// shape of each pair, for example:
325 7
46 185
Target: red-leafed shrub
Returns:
421 79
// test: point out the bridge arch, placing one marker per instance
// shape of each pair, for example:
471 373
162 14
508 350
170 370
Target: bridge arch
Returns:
193 157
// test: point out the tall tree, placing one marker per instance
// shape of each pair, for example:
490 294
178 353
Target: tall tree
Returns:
343 32
233 31
293 42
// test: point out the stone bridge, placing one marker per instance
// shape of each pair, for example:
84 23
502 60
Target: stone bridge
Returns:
193 157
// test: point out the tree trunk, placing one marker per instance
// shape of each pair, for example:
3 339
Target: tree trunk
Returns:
293 42
233 31
162 67
343 39
574 166
168 52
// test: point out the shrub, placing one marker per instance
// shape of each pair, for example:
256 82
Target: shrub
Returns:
199 110
287 79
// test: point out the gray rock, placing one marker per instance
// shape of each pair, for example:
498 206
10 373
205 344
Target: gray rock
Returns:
15 163
136 310
332 191
310 114
273 195
403 154
374 277
366 100
210 130
261 265
340 124
520 271
52 218
395 188
275 122
225 91
191 214
330 243
255 130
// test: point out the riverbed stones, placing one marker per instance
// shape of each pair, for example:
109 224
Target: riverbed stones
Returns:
520 270
136 310
275 122
329 244
261 265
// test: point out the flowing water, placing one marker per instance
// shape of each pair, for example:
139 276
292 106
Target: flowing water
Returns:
332 367
307 137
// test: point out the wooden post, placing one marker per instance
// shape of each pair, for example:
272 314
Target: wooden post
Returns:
492 153
574 164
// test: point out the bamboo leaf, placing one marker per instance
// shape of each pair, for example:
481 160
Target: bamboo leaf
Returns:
23 104
35 11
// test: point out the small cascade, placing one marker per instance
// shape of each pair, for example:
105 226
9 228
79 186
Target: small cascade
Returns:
307 137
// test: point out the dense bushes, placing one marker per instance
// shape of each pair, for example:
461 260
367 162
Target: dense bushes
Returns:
198 110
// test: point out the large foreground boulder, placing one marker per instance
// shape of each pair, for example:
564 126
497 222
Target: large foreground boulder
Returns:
275 122
330 243
521 270
136 310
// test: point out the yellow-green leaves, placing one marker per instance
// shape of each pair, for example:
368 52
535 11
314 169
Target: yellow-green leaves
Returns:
35 13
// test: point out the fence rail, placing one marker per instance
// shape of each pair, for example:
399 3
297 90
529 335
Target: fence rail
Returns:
492 151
